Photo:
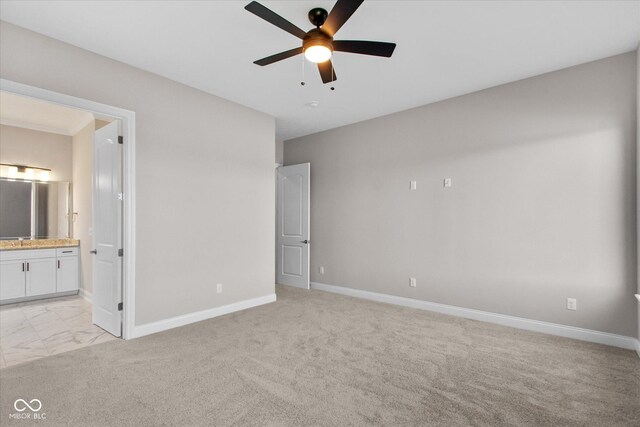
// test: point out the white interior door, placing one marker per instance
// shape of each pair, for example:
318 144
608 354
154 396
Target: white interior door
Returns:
293 225
107 228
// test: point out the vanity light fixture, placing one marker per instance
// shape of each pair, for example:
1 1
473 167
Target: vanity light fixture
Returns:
30 173
12 172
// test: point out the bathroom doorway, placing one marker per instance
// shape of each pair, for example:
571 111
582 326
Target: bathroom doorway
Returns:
57 299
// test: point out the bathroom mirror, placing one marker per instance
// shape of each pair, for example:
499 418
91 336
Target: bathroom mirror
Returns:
35 209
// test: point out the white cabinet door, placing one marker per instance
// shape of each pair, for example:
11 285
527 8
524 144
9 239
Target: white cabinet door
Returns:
67 274
41 276
12 279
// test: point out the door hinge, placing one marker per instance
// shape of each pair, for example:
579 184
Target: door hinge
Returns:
119 306
120 252
120 140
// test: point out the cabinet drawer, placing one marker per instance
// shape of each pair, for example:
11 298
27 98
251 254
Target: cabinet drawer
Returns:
20 254
72 251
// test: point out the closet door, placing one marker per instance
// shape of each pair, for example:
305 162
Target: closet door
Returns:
292 228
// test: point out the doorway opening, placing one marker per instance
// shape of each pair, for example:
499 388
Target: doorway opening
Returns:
62 278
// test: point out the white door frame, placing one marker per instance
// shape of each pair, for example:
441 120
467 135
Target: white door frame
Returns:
128 118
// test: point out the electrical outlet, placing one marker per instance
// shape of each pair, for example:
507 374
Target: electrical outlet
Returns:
572 304
447 182
321 270
412 282
219 288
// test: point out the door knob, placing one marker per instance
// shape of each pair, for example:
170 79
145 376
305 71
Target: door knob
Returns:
95 252
306 242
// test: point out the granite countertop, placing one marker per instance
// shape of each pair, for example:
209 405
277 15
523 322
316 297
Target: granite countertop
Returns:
11 245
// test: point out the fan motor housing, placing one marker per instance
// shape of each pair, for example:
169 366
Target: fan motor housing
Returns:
317 37
317 16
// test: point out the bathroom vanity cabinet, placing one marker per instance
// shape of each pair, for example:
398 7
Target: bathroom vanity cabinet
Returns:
38 273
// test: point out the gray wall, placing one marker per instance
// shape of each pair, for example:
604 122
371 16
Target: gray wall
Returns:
542 205
22 146
204 176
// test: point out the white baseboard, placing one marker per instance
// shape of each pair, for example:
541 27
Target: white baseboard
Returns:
185 319
606 338
86 295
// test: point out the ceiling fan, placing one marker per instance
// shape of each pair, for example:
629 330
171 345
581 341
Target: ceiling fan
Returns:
318 44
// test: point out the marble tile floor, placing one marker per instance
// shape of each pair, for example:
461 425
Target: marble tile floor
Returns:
36 329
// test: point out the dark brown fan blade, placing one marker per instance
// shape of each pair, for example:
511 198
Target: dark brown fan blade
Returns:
342 10
365 47
327 72
278 56
275 19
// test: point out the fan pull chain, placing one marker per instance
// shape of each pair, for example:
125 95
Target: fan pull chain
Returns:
303 70
333 72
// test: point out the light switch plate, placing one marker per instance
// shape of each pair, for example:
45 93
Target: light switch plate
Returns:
413 185
447 182
572 304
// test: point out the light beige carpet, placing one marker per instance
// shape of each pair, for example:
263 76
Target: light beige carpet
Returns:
315 358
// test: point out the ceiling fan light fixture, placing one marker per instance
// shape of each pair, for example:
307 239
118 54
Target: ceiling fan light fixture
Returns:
318 44
317 53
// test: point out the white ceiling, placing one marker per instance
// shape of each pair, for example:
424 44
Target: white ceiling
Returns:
23 112
444 48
